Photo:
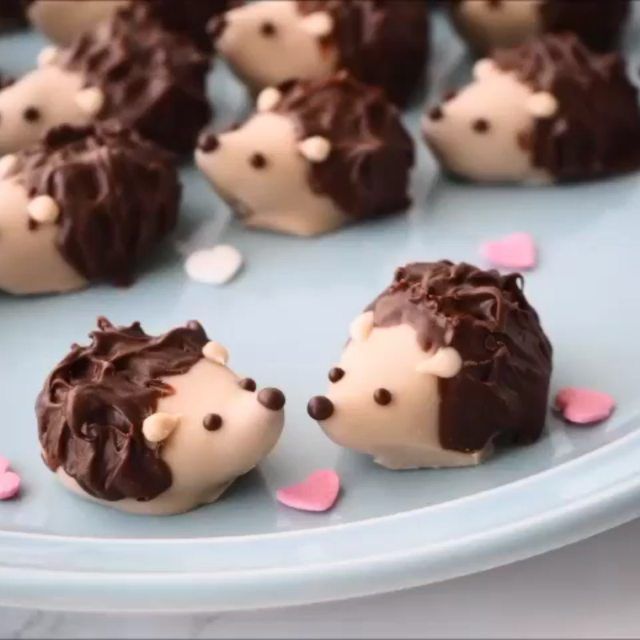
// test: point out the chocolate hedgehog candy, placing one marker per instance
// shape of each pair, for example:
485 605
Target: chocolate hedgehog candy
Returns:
153 425
84 205
488 24
128 68
447 363
381 42
315 156
548 111
64 20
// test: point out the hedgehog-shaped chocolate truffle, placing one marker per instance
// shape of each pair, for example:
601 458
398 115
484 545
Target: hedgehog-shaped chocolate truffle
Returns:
488 24
128 68
153 425
548 111
449 362
315 156
63 20
84 205
381 42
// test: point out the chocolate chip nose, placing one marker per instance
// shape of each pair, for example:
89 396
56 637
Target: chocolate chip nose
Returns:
320 408
208 142
217 26
272 399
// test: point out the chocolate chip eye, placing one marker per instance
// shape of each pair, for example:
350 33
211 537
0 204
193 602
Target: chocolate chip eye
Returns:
31 114
336 374
268 29
436 113
258 161
382 396
248 384
212 422
481 125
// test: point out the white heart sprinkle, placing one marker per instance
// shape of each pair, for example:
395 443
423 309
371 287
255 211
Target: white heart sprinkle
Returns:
217 265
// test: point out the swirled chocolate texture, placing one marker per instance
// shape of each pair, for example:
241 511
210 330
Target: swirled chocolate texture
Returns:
189 17
501 393
596 129
381 42
598 24
92 407
153 80
368 171
118 196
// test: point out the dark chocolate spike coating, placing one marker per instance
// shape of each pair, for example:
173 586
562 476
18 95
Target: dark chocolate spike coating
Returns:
368 171
384 43
501 393
189 17
93 405
596 130
118 196
153 80
598 24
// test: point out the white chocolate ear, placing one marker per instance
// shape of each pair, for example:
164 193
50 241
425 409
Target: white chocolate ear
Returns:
7 165
268 99
484 68
159 426
215 352
90 100
43 209
361 327
445 363
542 104
315 149
47 56
318 24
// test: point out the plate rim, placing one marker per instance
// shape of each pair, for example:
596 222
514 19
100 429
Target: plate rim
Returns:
612 502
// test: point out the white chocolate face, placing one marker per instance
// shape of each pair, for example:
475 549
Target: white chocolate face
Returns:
205 463
29 260
260 170
490 24
269 42
64 20
42 99
478 133
404 433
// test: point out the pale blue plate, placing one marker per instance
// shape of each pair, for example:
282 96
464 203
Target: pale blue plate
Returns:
284 320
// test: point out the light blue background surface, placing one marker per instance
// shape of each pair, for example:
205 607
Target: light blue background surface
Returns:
284 321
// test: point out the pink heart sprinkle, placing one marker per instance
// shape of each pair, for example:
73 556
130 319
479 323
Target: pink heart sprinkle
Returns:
516 251
9 485
318 492
584 406
4 465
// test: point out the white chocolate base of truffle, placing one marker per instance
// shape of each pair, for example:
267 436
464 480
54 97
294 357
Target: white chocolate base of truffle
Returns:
204 463
507 24
49 89
64 20
405 433
292 52
494 155
30 262
277 197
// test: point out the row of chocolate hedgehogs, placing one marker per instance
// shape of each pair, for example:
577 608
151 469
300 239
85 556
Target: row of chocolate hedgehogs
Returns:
447 364
88 175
